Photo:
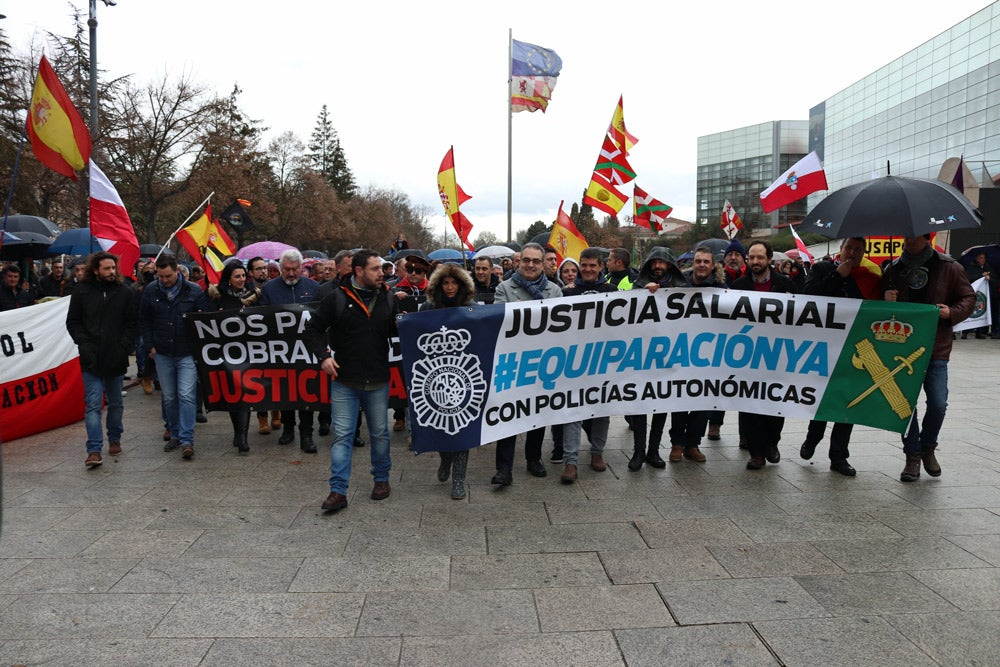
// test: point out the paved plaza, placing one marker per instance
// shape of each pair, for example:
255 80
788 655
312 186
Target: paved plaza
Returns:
228 560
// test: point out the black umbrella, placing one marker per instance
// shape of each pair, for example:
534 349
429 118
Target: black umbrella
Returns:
542 239
892 206
992 252
315 254
31 223
153 249
24 244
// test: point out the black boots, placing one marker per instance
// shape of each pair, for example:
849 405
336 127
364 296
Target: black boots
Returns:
459 464
653 457
444 469
241 423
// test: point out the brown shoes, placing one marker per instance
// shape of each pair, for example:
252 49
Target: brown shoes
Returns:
569 474
756 463
263 427
676 454
147 385
931 464
93 460
334 502
380 491
597 463
166 435
398 425
114 448
275 420
713 432
694 454
187 452
772 454
911 471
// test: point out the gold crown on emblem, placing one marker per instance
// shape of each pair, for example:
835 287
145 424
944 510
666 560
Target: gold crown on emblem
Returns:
892 331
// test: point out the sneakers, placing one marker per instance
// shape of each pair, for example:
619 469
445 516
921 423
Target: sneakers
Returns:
380 491
187 452
263 427
694 454
713 432
398 425
676 454
334 502
93 460
115 448
557 455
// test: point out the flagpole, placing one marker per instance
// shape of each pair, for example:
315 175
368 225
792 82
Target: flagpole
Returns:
510 125
181 226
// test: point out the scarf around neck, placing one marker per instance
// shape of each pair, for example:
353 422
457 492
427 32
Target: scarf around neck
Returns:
534 287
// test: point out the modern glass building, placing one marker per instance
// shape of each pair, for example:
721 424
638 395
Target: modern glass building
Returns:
738 164
940 100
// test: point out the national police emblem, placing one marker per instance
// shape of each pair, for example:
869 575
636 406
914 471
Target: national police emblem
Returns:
447 385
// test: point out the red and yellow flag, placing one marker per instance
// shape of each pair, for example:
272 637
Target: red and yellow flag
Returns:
208 244
566 239
58 136
452 196
602 195
622 138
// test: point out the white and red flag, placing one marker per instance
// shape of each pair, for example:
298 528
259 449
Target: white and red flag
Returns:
801 246
803 178
109 222
731 223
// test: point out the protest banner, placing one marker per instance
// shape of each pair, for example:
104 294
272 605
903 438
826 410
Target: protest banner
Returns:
479 373
41 386
980 316
256 357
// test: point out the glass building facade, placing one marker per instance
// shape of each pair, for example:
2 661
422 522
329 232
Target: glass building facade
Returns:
738 164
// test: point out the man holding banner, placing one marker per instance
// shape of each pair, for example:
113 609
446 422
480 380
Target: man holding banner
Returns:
349 333
923 275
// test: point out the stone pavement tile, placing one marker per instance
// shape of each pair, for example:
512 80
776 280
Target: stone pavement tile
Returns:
141 544
523 490
244 518
694 507
113 517
454 513
873 593
219 575
281 496
966 638
673 532
841 501
841 642
814 527
393 541
72 497
581 649
84 575
773 560
106 651
361 511
641 566
447 613
564 538
83 615
133 460
969 590
263 615
601 511
929 495
746 482
974 521
912 553
374 572
34 519
47 544
601 608
986 547
208 493
347 652
739 600
526 571
723 644
630 486
290 543
11 566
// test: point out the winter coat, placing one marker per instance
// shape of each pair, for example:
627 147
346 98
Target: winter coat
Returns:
162 321
466 287
674 277
508 292
275 292
486 293
715 279
102 320
226 300
780 283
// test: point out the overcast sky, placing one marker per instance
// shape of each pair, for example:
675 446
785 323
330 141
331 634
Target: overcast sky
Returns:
405 80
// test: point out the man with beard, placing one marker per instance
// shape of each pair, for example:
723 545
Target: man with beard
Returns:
484 280
292 287
620 274
923 275
102 320
734 262
349 333
763 432
257 271
659 270
51 285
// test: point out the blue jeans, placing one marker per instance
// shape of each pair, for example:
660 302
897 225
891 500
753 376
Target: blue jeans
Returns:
179 387
95 389
923 436
375 404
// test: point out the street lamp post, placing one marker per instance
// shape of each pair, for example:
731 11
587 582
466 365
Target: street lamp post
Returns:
92 22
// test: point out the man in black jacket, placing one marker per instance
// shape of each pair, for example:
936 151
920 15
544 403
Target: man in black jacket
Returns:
349 332
763 431
103 322
484 280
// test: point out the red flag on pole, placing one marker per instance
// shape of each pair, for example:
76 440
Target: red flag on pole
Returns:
58 136
110 223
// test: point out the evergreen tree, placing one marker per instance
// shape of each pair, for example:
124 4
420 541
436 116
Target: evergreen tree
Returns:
328 159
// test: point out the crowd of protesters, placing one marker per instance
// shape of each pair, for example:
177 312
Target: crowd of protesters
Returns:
356 295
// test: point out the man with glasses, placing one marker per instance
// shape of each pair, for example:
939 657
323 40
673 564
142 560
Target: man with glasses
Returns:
292 287
257 270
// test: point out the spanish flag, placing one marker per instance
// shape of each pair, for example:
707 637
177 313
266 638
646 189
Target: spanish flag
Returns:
207 243
622 138
452 196
58 136
603 196
566 239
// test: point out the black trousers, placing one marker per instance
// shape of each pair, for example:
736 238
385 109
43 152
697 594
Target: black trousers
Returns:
762 432
532 448
688 428
840 438
305 421
656 425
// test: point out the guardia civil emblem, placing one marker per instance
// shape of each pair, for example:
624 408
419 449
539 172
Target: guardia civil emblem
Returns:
447 387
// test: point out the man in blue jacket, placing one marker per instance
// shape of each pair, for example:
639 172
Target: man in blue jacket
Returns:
161 318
